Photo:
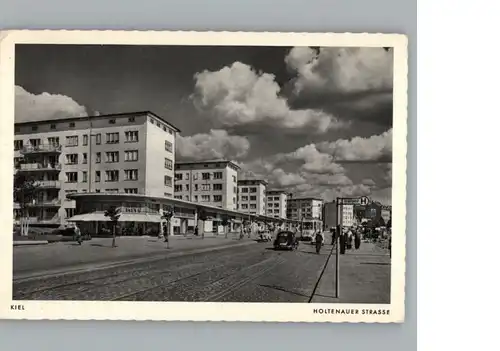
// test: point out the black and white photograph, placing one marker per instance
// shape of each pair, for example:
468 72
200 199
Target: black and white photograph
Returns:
221 173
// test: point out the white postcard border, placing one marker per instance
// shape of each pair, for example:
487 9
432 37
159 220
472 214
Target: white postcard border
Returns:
205 311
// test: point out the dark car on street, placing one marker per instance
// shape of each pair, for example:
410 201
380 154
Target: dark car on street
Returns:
286 241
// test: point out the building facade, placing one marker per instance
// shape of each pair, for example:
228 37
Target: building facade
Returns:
252 196
212 183
276 203
304 208
115 153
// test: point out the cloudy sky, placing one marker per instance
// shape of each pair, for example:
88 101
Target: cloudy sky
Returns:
315 121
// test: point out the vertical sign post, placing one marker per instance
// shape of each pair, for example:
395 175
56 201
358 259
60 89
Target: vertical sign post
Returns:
338 229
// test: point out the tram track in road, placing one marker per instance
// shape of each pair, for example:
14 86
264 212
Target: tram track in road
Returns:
321 274
99 282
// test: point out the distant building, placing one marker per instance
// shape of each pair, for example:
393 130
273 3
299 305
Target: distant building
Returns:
252 196
330 215
276 203
304 208
212 183
131 153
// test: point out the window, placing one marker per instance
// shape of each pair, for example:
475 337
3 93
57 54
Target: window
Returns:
270 198
205 198
71 159
167 180
84 161
98 139
186 198
97 190
244 206
112 138
52 126
276 205
131 174
35 142
196 187
112 121
71 177
70 212
152 120
131 119
132 136
187 187
235 189
168 146
112 156
196 198
234 178
85 140
168 163
244 198
253 206
53 141
217 186
72 140
244 190
72 125
131 190
18 144
131 155
113 191
217 198
276 198
217 175
276 211
178 197
187 176
205 187
97 157
164 128
205 176
97 176
178 187
84 177
178 176
253 190
195 176
253 198
112 176
34 128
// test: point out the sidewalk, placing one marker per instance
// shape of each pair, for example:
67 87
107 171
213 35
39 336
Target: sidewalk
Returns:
30 259
365 277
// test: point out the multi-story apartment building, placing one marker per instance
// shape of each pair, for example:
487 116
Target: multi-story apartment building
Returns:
304 208
211 183
276 203
252 196
116 153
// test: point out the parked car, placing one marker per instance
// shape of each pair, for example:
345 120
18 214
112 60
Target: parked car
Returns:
286 241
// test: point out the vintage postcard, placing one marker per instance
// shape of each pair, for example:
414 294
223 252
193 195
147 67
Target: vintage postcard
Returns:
203 176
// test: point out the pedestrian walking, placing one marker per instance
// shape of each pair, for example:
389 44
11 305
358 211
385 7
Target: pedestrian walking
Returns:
78 234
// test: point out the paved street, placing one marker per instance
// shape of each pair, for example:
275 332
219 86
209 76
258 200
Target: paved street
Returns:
244 273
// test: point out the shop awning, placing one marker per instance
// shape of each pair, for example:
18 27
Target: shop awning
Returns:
140 217
125 217
89 217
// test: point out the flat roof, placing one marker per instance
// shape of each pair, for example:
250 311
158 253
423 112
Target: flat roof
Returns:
186 163
122 114
246 181
305 198
280 191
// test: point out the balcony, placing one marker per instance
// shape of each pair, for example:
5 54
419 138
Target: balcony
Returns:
44 203
48 184
41 149
33 167
39 220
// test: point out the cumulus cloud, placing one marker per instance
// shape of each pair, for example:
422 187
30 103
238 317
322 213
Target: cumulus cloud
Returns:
32 107
341 70
213 145
373 148
238 95
314 161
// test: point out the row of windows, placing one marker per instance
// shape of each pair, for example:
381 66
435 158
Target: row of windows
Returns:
249 190
109 176
203 198
53 126
113 190
245 206
110 157
199 187
204 176
271 211
161 125
275 198
245 198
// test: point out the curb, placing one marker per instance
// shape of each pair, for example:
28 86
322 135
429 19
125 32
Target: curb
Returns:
30 242
100 266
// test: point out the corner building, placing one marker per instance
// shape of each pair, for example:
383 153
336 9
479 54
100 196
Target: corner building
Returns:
132 153
276 203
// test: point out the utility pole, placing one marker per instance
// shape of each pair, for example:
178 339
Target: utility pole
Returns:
339 230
